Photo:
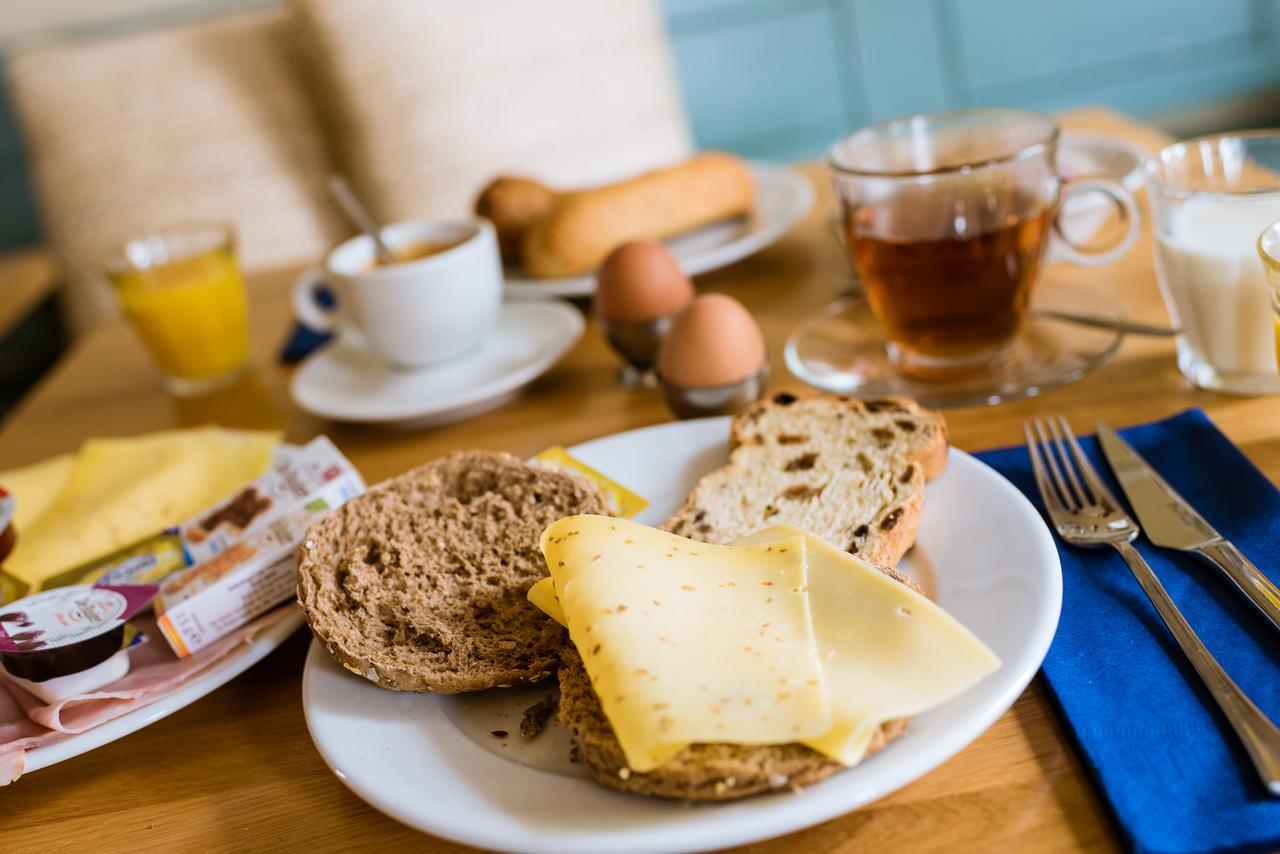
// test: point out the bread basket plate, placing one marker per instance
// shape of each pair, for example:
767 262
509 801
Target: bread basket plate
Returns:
783 197
433 762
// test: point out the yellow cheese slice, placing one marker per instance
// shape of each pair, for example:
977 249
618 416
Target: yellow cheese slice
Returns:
887 651
543 595
34 487
687 642
121 490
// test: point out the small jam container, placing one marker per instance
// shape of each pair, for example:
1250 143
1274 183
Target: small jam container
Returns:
8 537
68 640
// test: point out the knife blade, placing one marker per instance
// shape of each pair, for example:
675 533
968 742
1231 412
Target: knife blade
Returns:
1169 521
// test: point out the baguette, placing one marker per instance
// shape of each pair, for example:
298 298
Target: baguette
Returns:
584 226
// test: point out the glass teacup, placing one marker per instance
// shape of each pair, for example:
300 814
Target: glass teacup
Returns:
947 217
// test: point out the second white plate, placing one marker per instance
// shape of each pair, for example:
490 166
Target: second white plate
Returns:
346 382
983 553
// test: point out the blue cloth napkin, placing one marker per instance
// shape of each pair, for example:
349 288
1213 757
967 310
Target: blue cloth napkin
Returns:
1147 731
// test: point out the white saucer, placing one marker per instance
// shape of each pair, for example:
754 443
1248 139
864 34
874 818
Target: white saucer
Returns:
783 196
344 382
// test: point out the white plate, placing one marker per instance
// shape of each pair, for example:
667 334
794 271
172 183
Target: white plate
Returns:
783 197
983 553
343 381
213 678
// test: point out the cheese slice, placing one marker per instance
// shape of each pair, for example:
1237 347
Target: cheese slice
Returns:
887 651
688 642
36 486
118 491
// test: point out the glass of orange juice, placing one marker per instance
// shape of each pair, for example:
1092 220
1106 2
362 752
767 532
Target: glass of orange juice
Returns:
182 290
1269 251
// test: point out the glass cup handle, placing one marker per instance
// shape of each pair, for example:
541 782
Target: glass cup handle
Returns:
306 306
1126 207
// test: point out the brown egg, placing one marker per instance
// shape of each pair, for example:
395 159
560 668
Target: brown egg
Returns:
640 281
713 342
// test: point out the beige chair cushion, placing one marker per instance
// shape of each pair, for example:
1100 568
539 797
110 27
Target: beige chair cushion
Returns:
199 122
426 101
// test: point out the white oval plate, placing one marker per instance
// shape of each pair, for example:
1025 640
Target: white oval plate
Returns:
983 553
345 382
783 197
213 678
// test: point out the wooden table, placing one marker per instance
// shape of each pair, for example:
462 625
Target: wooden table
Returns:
237 769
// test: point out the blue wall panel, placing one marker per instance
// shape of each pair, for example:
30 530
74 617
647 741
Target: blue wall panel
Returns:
783 78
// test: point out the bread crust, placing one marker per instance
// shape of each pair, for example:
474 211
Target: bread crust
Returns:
420 584
889 534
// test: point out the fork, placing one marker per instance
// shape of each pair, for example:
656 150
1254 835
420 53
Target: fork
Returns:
1093 518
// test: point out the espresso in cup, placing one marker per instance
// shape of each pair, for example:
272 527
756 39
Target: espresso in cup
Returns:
418 311
413 252
947 217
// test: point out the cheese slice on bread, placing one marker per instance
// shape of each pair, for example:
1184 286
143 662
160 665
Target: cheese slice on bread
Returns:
886 651
687 642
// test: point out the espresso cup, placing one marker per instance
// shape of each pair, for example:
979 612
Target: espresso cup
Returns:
416 312
947 218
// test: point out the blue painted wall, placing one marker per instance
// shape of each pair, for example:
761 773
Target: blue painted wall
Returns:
783 78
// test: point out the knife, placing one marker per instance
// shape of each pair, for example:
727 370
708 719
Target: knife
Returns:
1169 521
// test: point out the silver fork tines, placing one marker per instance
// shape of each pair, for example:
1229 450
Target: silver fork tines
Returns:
1061 475
1085 513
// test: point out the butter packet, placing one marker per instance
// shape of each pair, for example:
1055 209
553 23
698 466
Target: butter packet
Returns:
623 503
197 606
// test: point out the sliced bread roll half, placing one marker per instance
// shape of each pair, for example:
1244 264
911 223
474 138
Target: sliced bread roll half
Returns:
420 584
850 471
700 772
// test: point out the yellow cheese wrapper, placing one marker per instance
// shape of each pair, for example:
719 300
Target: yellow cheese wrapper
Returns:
689 642
121 490
622 502
887 651
35 487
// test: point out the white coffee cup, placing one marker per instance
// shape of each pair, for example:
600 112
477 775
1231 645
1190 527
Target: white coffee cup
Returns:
417 312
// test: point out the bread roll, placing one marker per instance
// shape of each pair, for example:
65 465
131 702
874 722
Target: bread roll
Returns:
584 226
511 203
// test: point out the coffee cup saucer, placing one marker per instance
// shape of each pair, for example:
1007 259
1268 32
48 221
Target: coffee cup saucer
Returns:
841 348
345 382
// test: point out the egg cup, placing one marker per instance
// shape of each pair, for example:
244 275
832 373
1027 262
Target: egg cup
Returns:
637 343
726 399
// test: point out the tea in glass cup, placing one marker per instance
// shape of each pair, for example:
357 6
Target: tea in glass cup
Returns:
182 290
947 217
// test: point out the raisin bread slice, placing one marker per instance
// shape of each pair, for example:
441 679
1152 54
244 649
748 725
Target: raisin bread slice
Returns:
850 471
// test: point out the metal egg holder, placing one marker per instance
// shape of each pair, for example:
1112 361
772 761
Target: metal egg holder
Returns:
640 342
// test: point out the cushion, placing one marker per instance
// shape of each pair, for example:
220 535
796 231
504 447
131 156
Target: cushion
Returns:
206 121
428 101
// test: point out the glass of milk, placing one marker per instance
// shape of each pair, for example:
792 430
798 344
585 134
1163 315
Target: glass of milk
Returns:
1210 199
1269 251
